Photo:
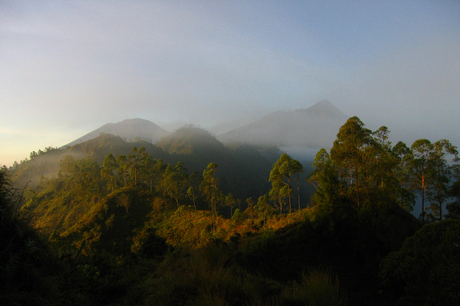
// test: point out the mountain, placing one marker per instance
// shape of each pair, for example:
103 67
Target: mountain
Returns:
242 170
100 146
130 130
314 127
190 140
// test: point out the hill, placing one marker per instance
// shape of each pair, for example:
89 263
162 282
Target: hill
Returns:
314 127
129 129
243 170
100 146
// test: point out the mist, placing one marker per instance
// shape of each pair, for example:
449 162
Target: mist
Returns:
70 68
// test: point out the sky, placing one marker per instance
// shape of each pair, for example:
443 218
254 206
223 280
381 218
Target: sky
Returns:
69 67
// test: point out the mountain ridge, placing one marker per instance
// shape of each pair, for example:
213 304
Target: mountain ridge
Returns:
315 126
129 129
312 127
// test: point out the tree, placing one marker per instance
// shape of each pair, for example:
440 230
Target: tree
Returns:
122 170
403 174
426 267
432 173
134 163
349 153
454 206
296 170
107 172
250 210
442 172
147 170
175 182
230 201
275 193
363 169
325 178
210 189
280 176
263 209
193 195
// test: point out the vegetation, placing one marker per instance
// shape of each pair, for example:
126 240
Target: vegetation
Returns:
129 228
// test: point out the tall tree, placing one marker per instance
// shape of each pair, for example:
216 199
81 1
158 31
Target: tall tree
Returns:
325 178
210 190
107 172
230 201
402 172
454 206
263 209
281 176
175 182
349 153
134 162
442 161
123 169
195 180
362 169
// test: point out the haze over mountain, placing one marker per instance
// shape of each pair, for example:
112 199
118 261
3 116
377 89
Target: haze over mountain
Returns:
129 129
314 127
302 131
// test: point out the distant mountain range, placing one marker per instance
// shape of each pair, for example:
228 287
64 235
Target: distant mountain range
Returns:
130 130
314 127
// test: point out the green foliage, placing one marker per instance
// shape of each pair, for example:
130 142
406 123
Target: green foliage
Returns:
124 224
283 170
427 267
454 206
29 273
352 246
432 173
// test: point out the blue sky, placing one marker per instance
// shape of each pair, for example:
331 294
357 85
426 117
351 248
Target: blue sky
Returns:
69 67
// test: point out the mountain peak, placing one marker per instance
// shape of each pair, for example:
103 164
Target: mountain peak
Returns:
324 106
315 126
129 129
189 139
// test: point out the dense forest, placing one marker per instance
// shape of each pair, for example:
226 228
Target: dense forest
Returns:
189 221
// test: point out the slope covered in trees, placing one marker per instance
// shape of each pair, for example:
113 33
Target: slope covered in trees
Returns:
140 229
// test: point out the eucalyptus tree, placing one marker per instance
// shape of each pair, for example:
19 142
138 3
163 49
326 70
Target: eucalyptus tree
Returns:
192 194
263 209
107 172
349 153
420 168
445 164
325 178
157 174
194 181
147 170
250 210
123 168
454 206
134 163
175 181
230 201
281 176
210 190
276 193
362 168
432 168
403 174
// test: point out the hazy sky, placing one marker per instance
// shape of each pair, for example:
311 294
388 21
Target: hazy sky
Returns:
69 67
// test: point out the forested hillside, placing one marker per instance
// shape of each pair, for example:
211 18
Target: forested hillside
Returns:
189 221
